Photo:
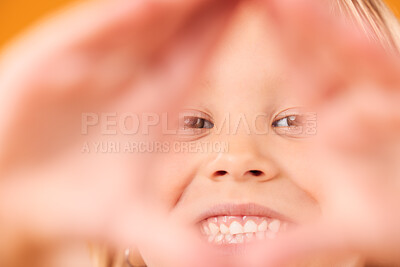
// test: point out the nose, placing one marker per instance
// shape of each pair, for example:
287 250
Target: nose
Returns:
241 167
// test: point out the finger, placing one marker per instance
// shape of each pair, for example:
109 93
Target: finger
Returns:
299 245
135 226
97 32
178 245
101 60
331 240
326 51
179 63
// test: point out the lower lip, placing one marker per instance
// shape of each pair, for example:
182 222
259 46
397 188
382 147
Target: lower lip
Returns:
237 249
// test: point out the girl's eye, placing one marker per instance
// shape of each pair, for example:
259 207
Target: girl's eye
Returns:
193 122
289 121
296 123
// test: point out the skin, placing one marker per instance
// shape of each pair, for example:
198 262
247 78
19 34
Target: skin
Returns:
54 194
247 65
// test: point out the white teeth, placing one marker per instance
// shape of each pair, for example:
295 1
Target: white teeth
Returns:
240 238
219 238
250 235
223 219
224 229
206 230
214 229
260 235
218 231
250 227
213 220
228 237
263 226
235 228
274 226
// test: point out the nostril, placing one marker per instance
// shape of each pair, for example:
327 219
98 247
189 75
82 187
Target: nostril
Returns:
256 172
220 173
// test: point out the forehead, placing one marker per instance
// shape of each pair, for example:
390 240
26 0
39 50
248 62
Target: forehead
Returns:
247 65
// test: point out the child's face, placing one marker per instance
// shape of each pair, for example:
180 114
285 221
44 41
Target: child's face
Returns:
213 189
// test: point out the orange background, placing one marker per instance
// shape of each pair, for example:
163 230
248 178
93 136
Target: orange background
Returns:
15 15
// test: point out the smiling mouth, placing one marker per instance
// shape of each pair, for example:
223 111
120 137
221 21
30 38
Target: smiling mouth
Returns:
238 224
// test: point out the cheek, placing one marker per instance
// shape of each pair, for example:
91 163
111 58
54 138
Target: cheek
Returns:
172 175
299 167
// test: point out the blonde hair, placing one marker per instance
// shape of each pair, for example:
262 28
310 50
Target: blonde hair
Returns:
373 17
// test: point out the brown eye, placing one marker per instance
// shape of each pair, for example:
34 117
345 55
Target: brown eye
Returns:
289 121
193 122
296 123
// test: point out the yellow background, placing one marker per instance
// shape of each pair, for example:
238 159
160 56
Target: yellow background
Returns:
15 15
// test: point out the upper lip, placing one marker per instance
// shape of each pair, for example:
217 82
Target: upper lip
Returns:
247 209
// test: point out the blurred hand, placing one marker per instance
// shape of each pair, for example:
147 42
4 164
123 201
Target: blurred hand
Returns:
96 56
354 86
143 54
